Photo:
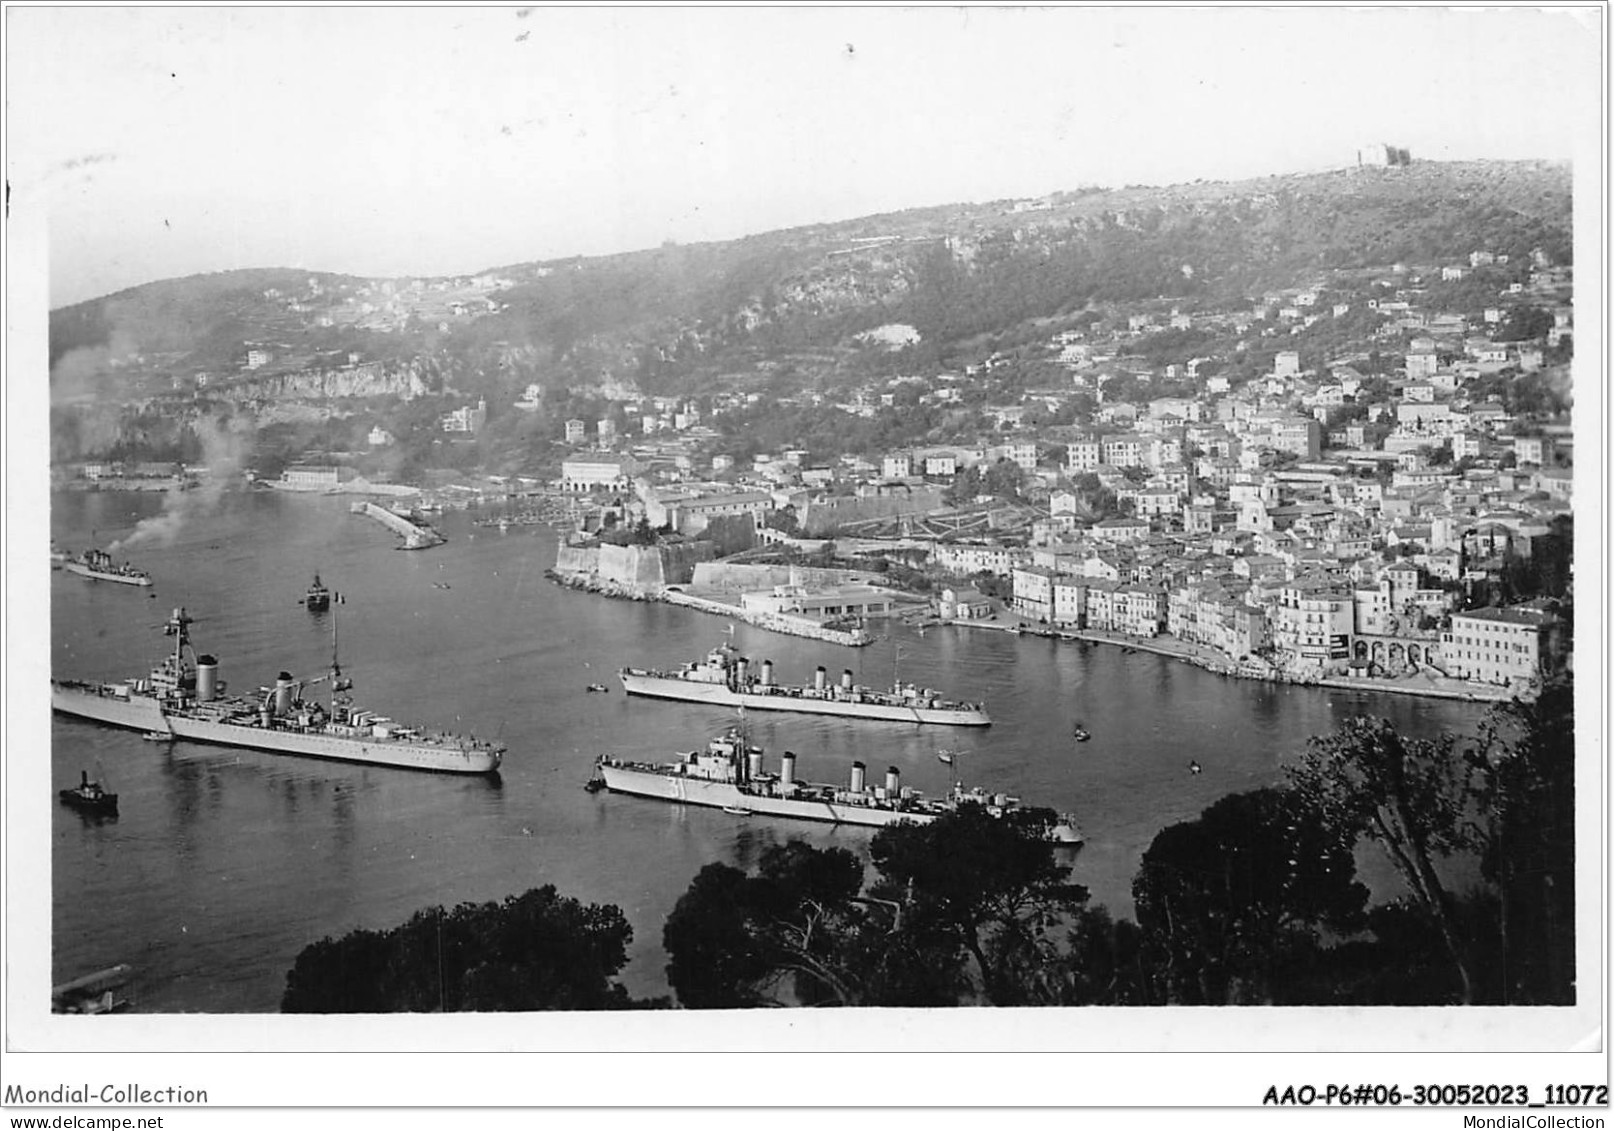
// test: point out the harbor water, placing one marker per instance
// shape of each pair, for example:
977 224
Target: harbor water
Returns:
223 864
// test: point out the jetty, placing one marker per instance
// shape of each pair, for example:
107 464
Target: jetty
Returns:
415 535
855 637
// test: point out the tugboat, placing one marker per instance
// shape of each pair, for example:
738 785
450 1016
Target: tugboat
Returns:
89 797
318 598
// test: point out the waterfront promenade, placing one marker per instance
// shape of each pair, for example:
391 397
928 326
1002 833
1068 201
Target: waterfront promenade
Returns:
1421 683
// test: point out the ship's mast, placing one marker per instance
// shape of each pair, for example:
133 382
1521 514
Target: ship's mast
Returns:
178 625
337 685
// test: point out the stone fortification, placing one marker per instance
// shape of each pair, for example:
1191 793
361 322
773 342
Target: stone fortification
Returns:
824 516
740 576
644 569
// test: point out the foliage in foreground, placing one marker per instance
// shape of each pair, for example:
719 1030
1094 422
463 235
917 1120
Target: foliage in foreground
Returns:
1255 902
963 910
535 951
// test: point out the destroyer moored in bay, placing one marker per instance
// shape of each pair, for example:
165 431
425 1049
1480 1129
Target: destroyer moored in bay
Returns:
724 680
97 565
184 697
729 775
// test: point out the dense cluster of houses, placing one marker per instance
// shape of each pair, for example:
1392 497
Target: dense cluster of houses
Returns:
1254 517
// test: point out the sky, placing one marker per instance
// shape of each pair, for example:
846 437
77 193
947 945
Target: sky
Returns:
158 142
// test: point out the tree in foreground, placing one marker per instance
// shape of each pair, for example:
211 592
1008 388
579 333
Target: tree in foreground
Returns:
1230 905
1506 803
535 951
964 911
983 896
1526 787
785 936
1406 795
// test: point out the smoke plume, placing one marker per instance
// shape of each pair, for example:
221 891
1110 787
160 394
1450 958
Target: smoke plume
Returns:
225 449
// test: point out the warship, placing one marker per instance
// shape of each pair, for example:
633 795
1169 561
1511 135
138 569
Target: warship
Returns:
183 698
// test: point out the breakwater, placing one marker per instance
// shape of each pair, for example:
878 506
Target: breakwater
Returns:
773 622
416 536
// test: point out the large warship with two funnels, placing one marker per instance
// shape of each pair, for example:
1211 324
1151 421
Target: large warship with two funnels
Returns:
729 775
184 698
725 680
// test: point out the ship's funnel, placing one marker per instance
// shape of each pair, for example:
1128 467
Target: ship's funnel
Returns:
787 769
893 781
818 678
739 670
857 777
283 693
767 673
846 680
207 678
753 763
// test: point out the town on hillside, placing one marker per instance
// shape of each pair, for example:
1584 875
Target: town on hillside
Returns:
1385 503
1364 478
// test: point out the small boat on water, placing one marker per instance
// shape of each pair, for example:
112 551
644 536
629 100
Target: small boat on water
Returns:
88 796
600 687
318 597
1080 733
93 993
945 757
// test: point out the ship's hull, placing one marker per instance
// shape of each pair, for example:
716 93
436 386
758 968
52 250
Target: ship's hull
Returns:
724 795
96 575
796 699
143 713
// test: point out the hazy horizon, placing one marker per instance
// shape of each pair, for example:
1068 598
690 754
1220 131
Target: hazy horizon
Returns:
318 269
160 143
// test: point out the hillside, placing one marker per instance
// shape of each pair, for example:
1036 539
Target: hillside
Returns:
786 306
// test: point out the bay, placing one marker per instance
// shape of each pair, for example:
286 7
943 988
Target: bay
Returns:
223 864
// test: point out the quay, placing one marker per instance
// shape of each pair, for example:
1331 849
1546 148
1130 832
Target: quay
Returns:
415 536
772 621
1213 661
